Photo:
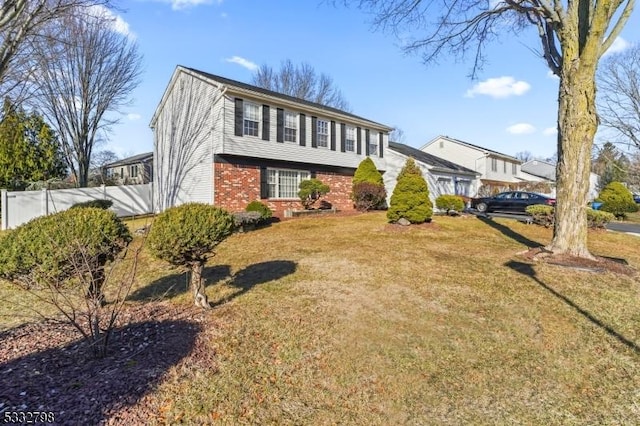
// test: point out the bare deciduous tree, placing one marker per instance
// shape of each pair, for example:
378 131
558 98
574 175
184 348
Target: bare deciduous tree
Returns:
573 36
524 156
397 135
619 95
86 71
21 23
301 81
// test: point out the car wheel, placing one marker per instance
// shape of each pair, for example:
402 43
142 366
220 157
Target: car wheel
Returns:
481 207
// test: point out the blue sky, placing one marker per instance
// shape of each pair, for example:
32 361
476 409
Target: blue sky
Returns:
510 106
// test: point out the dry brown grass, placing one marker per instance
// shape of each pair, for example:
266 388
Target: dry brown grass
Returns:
341 320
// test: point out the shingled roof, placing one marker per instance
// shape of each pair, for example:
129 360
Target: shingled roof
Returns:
260 90
432 160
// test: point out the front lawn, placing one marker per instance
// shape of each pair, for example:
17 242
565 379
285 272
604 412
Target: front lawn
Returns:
329 320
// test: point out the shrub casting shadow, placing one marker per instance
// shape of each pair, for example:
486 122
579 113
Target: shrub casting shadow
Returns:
175 284
243 280
258 273
527 269
83 390
509 232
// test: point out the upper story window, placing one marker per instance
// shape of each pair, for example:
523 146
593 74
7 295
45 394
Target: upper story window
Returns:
494 164
505 167
350 139
290 126
285 183
514 169
133 170
373 143
251 119
323 133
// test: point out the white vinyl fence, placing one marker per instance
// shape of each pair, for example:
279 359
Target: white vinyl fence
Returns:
19 207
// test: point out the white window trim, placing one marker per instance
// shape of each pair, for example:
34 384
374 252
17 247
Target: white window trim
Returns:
328 134
295 127
374 141
244 118
355 138
300 178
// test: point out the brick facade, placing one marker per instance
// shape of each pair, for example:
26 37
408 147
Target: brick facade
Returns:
236 185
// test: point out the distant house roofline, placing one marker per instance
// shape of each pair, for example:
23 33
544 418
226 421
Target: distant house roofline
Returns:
138 158
477 147
439 164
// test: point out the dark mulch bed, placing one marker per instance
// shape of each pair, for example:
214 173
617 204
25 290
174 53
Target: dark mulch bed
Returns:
599 264
44 367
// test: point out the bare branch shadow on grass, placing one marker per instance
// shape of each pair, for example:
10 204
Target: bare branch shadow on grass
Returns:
174 285
79 389
258 273
527 269
505 230
242 281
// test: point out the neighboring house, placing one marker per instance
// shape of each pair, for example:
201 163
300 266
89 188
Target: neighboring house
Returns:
443 177
497 171
228 143
543 171
133 170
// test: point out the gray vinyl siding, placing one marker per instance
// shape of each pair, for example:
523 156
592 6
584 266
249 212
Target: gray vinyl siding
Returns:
255 147
183 135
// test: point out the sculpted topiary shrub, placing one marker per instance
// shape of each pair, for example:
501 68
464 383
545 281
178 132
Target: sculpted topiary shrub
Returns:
51 249
61 260
617 199
368 190
256 206
311 190
410 199
450 203
186 236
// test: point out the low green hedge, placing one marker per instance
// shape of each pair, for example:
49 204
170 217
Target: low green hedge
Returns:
544 215
450 203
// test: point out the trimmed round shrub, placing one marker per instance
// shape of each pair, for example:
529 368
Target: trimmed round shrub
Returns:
598 219
450 203
186 236
256 206
51 250
617 199
311 190
368 196
97 204
410 199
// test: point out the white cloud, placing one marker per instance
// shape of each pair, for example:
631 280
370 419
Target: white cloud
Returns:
618 45
521 129
550 131
551 75
134 116
501 87
186 4
251 66
118 24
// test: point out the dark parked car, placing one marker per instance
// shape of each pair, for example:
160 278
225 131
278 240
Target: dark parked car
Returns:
636 198
511 201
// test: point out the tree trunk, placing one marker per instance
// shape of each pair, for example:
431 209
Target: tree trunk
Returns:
577 125
197 286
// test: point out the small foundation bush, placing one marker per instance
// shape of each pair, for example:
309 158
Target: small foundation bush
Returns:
617 199
256 206
97 204
450 203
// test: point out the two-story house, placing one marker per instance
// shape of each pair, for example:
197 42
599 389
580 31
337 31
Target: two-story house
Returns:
228 143
544 172
497 171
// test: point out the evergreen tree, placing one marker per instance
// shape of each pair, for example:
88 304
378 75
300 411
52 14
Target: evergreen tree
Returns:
367 172
29 149
368 190
410 199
